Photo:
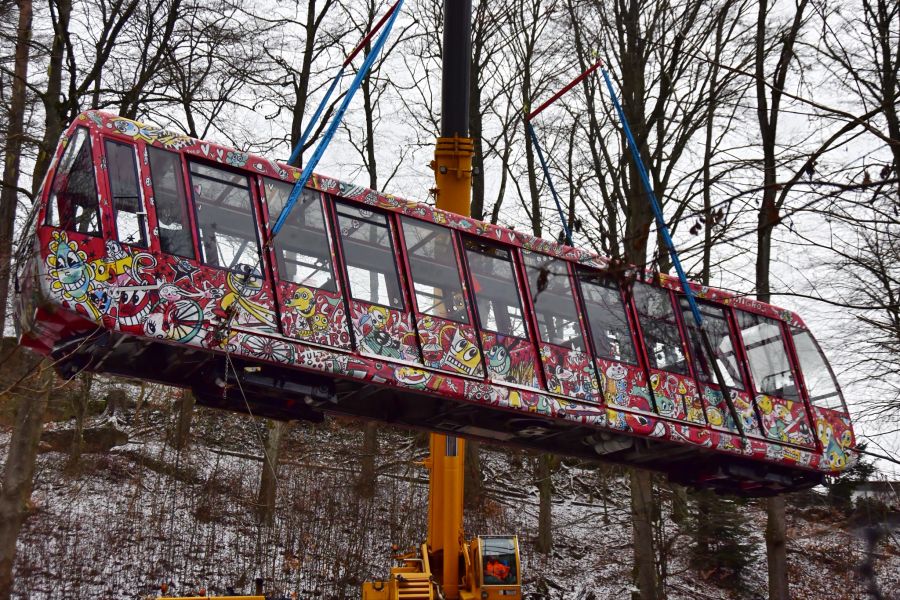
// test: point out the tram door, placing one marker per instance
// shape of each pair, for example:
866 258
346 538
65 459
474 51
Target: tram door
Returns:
775 383
444 326
674 392
510 357
309 295
379 311
568 368
722 339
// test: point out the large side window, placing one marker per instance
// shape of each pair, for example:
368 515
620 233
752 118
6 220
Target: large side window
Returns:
302 250
820 381
716 325
607 318
660 328
369 256
766 353
432 261
554 304
496 291
124 185
73 202
224 216
171 203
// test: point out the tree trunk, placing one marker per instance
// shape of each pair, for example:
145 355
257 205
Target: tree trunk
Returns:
546 463
368 477
776 549
473 484
30 397
79 404
185 406
268 481
14 137
641 518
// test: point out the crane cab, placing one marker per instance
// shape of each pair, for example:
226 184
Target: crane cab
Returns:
497 570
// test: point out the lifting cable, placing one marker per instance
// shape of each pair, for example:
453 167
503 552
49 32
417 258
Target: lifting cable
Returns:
537 146
315 118
657 211
673 253
338 117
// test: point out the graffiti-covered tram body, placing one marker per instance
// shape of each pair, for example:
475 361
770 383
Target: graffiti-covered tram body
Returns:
151 258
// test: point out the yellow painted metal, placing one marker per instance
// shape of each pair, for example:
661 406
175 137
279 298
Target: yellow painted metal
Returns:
453 174
445 507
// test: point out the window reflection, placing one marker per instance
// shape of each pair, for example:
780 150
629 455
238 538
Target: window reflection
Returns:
432 260
716 326
170 201
660 328
766 353
820 382
73 201
554 305
369 256
225 217
302 250
495 288
607 319
128 206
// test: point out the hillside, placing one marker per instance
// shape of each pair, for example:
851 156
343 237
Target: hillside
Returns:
142 513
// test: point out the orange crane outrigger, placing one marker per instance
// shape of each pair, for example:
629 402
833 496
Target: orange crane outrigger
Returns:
447 565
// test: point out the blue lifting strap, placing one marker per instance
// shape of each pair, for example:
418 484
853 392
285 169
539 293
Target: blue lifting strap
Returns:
537 147
335 122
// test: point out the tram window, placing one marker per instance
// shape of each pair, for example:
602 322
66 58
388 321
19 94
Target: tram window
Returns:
225 217
369 256
768 358
73 201
302 250
820 382
432 260
496 292
660 329
607 319
554 305
170 201
128 205
716 326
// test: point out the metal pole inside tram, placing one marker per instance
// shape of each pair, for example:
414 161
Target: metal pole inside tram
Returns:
453 178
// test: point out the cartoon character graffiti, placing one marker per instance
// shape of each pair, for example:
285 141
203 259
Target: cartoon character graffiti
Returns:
375 337
459 353
70 274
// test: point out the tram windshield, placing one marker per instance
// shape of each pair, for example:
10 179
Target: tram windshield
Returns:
820 382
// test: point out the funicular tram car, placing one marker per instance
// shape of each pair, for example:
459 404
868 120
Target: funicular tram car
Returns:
150 258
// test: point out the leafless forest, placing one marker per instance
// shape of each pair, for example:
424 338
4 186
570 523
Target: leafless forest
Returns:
771 133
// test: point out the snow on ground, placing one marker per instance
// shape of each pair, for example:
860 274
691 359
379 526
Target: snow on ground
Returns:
144 514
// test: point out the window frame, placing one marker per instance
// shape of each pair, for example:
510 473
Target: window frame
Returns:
460 271
573 295
794 356
273 251
187 202
630 318
511 250
788 351
142 200
685 317
332 204
682 337
254 202
52 181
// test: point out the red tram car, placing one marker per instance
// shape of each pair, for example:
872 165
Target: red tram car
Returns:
149 257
